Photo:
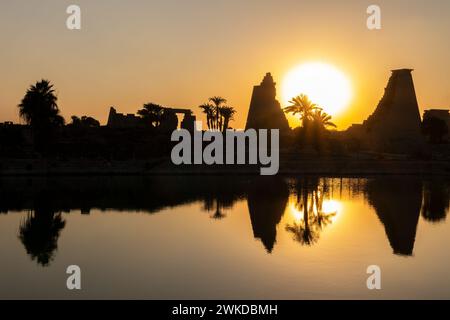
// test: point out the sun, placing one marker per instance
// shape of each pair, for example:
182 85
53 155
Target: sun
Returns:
323 83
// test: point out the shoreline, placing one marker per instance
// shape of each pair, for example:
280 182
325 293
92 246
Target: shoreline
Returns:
163 166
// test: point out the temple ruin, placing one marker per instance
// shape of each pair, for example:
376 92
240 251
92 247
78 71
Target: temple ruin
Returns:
169 120
395 125
265 111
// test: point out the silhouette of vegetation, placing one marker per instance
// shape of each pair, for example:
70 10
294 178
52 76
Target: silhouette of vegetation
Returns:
40 111
303 107
227 114
315 122
435 129
39 106
310 195
218 115
152 113
39 234
84 121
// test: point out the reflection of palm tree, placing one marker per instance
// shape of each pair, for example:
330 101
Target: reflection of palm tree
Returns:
39 234
302 106
321 218
218 213
303 231
307 230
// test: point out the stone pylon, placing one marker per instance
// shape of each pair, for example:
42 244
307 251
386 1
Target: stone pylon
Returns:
395 126
265 111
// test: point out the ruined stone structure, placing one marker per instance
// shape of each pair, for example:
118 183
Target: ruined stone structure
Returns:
169 120
395 126
120 120
441 114
265 111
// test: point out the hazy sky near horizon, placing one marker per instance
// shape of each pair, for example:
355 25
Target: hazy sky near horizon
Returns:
179 53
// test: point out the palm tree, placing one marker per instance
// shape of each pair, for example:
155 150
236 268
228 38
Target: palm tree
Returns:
217 104
208 109
152 113
322 119
303 106
226 113
39 107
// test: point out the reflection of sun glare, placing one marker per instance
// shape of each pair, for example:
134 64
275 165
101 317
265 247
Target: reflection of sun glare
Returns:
328 207
332 206
324 84
295 212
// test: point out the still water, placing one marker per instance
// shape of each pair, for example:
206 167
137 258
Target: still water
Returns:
224 237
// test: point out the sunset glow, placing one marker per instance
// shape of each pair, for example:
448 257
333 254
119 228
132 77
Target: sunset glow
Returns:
323 83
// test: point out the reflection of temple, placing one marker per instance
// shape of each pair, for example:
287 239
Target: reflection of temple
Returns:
169 120
397 203
436 200
266 204
265 111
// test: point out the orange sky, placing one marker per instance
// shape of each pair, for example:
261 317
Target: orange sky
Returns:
178 53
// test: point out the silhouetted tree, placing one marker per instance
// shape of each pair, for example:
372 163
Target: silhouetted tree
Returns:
217 103
435 129
39 106
322 119
208 110
302 106
227 114
152 113
84 121
40 111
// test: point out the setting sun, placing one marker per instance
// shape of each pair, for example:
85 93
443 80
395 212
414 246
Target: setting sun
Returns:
324 84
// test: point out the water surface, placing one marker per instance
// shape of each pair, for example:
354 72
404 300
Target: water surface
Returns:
224 237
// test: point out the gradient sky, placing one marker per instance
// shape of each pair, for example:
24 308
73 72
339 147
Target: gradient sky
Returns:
178 53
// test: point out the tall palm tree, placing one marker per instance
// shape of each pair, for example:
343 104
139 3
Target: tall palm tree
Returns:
39 107
227 113
322 119
303 106
208 109
217 104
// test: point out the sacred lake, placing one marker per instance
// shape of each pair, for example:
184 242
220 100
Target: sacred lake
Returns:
224 237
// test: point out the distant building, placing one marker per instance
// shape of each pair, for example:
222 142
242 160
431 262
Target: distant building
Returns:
442 114
120 120
265 111
395 125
